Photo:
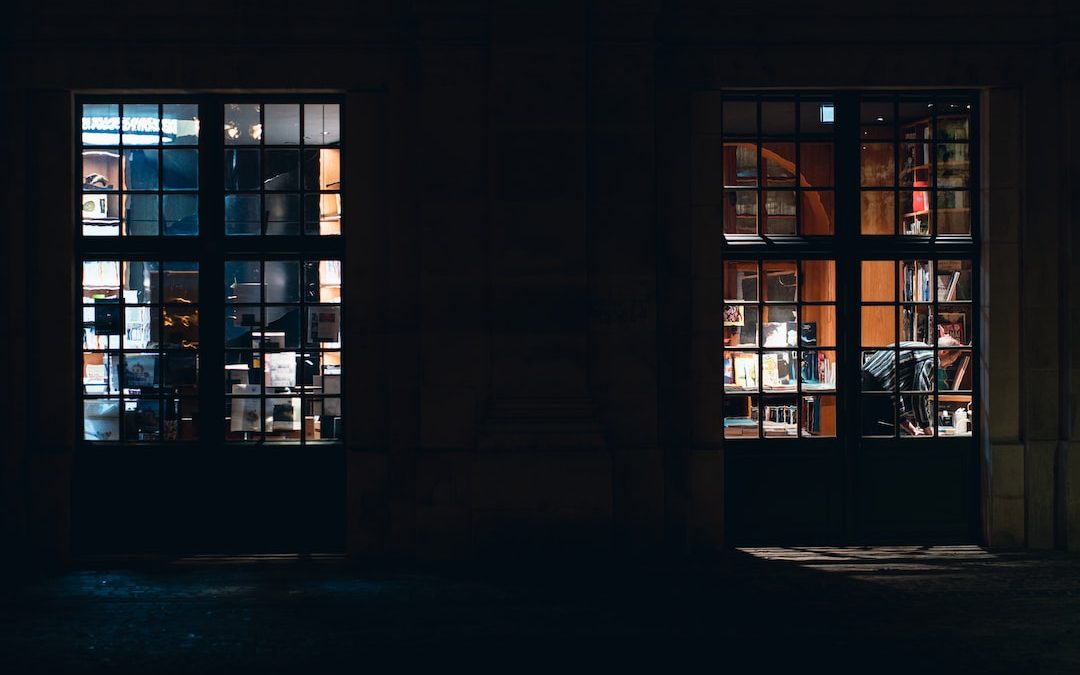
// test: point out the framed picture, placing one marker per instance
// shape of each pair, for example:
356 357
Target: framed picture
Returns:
734 316
246 414
954 324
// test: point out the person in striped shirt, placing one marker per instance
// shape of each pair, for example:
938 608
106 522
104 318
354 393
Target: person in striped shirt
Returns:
914 368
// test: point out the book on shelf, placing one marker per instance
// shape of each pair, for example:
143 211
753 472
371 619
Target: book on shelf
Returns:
817 371
960 370
740 426
281 369
779 334
770 370
246 414
745 370
946 285
810 415
916 277
283 414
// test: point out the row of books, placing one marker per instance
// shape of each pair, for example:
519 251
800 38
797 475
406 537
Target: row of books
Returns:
778 370
916 280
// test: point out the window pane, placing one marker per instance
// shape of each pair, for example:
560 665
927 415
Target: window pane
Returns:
282 213
778 117
322 281
180 124
953 122
740 164
140 281
282 281
142 373
181 282
953 215
740 325
780 281
956 415
955 321
818 281
141 169
878 281
816 164
181 214
740 371
818 370
740 281
779 370
141 124
240 322
242 170
953 280
101 124
818 326
243 125
878 415
100 280
180 327
141 215
955 369
740 211
817 416
100 214
953 165
740 117
915 323
878 325
242 214
322 214
780 212
779 416
101 169
180 169
779 164
740 417
915 169
818 212
779 329
282 124
877 163
243 279
101 419
323 325
100 373
322 124
281 170
877 212
322 169
915 281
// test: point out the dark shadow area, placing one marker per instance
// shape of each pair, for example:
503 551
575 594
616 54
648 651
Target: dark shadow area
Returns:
898 609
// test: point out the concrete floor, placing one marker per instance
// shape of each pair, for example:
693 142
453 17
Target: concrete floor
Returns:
867 610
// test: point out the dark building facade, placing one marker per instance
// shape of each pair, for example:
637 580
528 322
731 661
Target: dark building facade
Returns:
559 224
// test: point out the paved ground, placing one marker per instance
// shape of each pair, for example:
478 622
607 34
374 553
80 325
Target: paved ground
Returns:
867 610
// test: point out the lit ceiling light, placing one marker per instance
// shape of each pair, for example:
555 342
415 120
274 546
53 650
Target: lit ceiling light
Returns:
255 131
880 119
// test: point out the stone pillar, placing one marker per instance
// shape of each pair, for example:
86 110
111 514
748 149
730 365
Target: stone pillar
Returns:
1002 452
556 489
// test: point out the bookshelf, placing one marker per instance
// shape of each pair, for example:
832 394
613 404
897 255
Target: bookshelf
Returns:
916 174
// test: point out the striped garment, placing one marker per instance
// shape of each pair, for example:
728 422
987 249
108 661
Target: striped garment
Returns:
915 369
